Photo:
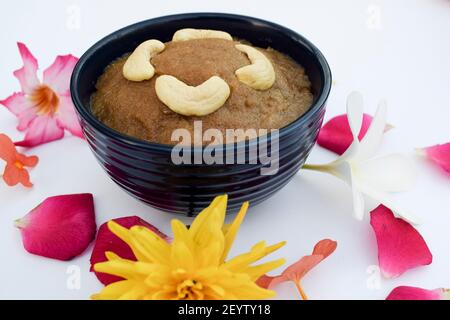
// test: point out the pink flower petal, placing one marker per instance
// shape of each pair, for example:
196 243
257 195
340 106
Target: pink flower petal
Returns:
57 76
440 154
61 227
27 75
414 293
400 246
67 117
41 130
22 107
107 241
336 135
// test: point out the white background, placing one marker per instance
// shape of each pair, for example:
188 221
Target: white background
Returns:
398 50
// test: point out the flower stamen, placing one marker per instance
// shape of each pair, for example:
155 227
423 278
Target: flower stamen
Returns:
45 100
18 164
190 289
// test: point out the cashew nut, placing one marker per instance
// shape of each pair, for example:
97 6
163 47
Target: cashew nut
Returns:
138 66
259 75
190 34
192 101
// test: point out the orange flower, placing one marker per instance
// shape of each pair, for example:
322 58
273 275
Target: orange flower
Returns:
15 171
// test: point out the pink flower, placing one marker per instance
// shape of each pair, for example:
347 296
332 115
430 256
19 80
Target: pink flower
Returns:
400 246
440 154
44 109
414 293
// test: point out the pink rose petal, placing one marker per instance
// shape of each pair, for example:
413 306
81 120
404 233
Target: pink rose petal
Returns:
336 136
42 130
414 293
27 75
57 76
400 246
440 154
61 227
107 241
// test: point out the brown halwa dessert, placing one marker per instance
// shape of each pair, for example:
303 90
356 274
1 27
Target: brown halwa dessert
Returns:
134 109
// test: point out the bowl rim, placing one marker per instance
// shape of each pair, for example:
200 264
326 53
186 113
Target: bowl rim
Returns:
154 146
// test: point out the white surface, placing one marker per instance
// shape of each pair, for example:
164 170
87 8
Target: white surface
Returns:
402 56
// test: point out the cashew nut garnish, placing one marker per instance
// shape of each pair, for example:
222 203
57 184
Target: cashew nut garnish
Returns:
192 101
190 34
259 75
138 66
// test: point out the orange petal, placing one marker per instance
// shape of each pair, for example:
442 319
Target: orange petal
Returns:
299 269
14 175
24 178
325 247
11 175
7 148
28 161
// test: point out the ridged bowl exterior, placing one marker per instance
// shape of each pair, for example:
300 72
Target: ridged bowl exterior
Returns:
146 171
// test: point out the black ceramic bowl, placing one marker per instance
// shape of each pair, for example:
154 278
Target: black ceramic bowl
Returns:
145 169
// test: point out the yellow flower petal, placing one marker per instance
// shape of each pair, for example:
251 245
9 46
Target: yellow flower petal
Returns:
232 230
120 268
111 256
114 290
252 291
257 252
182 256
255 272
210 255
150 245
124 234
136 293
204 218
181 233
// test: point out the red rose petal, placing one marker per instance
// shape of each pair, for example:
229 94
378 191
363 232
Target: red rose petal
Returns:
107 241
400 246
336 135
414 293
440 154
61 227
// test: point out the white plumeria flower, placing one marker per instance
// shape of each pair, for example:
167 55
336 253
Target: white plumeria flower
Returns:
374 177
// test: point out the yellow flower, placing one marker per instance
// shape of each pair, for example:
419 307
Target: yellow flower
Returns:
193 266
